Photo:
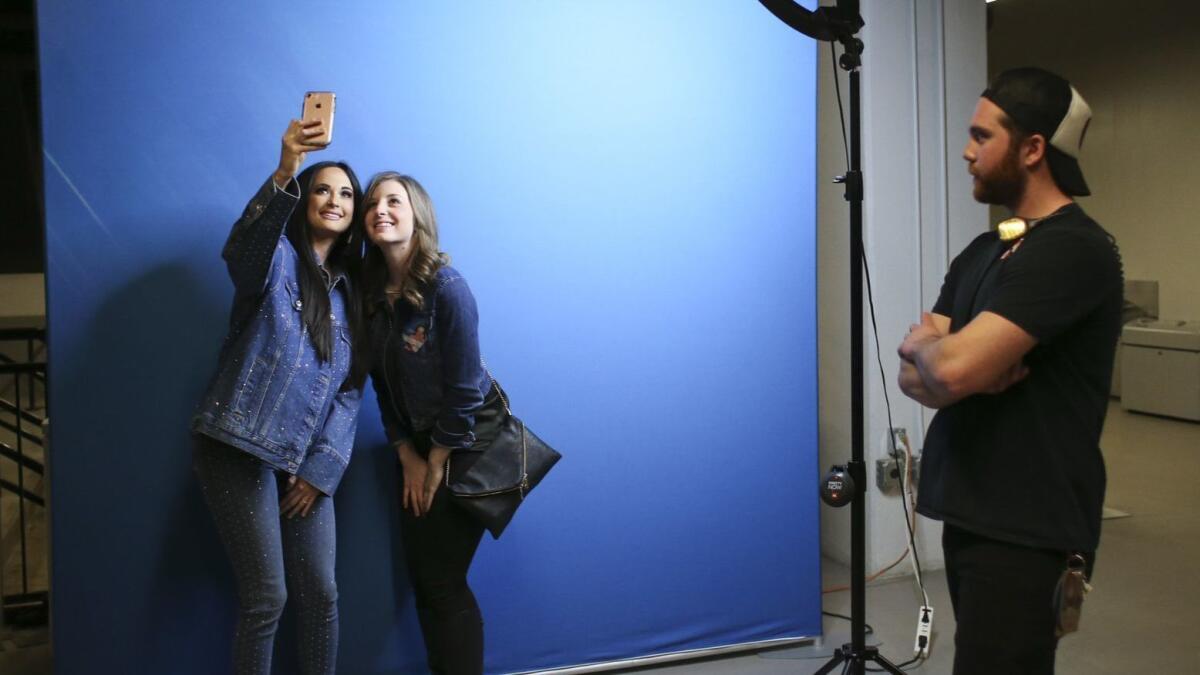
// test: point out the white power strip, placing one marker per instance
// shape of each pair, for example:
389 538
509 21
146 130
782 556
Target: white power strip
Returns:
924 632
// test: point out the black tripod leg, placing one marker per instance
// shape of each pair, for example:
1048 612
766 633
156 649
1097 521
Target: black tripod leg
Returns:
839 656
887 666
846 657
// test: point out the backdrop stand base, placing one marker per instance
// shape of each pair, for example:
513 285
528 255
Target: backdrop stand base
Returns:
821 648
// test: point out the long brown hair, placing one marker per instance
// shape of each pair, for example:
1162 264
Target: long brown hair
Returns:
345 254
424 257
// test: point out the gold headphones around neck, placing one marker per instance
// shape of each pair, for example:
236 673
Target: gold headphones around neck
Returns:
1012 229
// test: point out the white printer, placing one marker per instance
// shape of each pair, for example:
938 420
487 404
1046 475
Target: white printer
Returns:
1160 367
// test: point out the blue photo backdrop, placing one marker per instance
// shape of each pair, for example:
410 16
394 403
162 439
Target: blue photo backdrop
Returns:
629 188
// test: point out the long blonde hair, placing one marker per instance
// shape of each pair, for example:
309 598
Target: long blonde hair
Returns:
424 257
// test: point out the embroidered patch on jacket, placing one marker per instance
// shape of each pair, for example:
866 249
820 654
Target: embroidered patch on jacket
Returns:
414 339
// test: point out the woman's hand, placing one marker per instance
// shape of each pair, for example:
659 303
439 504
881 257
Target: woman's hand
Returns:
299 498
297 143
437 471
415 470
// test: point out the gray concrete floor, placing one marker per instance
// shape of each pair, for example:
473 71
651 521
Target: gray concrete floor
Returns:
1141 618
1142 615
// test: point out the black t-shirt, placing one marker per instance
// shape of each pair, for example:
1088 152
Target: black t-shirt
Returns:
1024 466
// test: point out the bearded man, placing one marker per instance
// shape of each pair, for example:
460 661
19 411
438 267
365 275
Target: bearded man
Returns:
1017 357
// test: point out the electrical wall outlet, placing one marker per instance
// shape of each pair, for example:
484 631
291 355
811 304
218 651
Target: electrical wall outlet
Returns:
889 469
888 472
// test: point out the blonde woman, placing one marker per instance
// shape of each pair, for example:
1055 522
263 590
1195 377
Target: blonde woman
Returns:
436 399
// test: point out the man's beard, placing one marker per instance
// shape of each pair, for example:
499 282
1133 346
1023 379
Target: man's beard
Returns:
1006 184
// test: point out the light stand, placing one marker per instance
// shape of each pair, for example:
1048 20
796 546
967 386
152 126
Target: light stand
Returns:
840 24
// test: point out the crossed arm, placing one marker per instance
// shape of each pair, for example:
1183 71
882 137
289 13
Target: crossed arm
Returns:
938 368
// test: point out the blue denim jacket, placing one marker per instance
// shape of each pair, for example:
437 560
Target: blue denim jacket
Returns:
271 395
426 368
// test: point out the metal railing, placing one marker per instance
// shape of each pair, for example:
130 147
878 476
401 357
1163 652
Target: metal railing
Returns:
24 579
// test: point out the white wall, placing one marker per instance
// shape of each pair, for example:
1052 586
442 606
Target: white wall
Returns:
1138 65
923 69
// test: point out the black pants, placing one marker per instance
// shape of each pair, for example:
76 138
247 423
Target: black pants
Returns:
438 549
1003 597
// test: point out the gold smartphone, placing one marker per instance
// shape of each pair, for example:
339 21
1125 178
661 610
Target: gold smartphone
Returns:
319 105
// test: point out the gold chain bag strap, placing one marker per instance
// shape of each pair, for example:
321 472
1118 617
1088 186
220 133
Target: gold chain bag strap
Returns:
506 469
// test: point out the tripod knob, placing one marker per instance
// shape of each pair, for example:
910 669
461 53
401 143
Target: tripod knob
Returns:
837 487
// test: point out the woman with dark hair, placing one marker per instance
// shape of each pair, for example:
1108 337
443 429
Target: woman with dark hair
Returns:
435 398
275 429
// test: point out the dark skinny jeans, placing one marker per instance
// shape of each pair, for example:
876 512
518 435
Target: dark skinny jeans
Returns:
438 549
274 559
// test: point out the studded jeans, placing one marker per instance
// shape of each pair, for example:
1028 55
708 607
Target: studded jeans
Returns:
273 558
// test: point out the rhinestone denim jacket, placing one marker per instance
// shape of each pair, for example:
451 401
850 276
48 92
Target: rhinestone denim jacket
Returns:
271 395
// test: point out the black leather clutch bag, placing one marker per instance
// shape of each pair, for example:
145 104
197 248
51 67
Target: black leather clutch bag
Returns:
494 484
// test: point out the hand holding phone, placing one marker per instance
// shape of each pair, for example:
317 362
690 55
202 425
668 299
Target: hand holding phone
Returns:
298 141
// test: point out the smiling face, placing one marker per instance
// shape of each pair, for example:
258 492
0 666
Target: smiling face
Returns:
330 203
389 215
993 157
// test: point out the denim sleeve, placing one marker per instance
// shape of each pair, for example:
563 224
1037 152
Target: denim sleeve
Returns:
393 425
458 330
255 236
327 458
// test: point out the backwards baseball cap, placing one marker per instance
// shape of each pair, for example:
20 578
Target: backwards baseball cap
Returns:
1040 102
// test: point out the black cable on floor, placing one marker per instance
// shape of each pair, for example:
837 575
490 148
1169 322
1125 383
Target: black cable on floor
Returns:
902 666
866 625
